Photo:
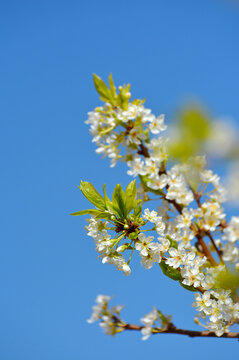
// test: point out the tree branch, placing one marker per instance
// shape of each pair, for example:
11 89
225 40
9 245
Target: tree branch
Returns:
219 252
171 329
205 249
144 151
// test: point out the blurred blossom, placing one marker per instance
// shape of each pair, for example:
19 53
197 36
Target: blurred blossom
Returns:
196 132
231 181
223 139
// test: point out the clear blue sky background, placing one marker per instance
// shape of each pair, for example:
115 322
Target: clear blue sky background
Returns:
49 276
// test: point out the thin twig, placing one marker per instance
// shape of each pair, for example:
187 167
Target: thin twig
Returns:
205 249
144 151
197 197
219 252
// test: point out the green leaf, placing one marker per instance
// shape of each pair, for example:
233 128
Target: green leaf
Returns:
190 288
195 122
85 212
147 134
118 200
130 196
92 195
173 243
102 88
137 211
108 203
227 279
193 128
112 87
170 271
104 215
164 319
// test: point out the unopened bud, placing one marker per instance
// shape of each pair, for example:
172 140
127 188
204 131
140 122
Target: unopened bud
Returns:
126 269
123 247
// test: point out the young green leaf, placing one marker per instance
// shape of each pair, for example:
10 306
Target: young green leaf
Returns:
130 196
118 200
164 319
85 212
102 88
108 203
92 195
173 243
137 210
104 215
190 288
170 271
112 87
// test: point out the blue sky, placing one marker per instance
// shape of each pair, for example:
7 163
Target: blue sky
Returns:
170 51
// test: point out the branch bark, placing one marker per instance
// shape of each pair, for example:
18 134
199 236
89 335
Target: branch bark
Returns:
174 330
219 252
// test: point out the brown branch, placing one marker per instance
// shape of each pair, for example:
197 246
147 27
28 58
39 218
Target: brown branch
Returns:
197 197
205 249
219 252
171 329
144 151
177 206
198 234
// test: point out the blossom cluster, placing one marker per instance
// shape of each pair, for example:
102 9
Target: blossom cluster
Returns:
231 238
105 245
182 230
219 308
109 317
111 322
154 320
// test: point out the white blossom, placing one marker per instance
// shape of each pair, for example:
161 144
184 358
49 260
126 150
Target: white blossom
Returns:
157 124
192 276
231 233
149 321
177 257
144 244
136 167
